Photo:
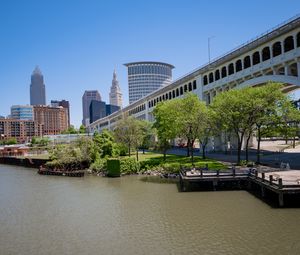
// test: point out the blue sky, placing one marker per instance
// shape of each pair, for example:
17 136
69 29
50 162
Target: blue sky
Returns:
77 44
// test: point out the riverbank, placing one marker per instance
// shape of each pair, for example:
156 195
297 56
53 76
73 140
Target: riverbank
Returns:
26 162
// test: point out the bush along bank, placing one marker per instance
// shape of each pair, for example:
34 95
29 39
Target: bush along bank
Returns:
129 166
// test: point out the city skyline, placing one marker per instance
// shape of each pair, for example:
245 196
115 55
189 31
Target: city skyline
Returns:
77 50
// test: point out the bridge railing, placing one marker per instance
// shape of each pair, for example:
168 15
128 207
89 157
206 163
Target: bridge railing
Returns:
218 58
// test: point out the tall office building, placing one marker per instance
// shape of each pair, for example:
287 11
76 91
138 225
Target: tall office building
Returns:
146 77
115 95
37 88
21 112
65 104
87 97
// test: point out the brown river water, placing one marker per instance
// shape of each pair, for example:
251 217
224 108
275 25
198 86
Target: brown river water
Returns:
96 215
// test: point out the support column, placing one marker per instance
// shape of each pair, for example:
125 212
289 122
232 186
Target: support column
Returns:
295 41
298 68
286 69
263 194
280 199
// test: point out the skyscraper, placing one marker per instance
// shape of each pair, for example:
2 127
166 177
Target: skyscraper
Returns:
146 77
37 88
87 97
115 95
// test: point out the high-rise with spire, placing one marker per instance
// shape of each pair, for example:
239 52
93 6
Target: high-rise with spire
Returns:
115 95
37 88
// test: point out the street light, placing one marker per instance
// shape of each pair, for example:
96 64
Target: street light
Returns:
208 47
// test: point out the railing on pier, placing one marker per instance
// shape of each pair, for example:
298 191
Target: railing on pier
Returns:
273 180
205 173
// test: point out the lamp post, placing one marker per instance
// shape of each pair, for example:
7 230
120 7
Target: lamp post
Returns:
208 47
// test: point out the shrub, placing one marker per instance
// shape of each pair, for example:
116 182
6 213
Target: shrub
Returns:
113 167
98 166
129 166
122 149
171 167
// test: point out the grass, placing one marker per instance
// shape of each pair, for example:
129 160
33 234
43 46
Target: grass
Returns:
39 156
156 159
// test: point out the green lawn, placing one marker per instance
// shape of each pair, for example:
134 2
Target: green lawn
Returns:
156 158
39 156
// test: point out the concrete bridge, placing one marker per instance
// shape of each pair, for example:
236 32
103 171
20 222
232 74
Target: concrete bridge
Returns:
272 56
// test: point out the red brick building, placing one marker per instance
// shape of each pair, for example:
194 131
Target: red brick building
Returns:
53 120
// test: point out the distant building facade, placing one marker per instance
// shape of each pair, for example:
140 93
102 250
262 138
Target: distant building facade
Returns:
146 77
87 97
37 88
53 120
22 130
115 95
65 104
99 109
21 112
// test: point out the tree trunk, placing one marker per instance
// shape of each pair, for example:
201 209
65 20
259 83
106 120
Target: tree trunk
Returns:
188 148
294 142
203 151
137 154
247 143
240 141
258 146
192 150
129 152
143 150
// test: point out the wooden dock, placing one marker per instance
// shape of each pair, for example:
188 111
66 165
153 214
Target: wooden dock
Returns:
278 182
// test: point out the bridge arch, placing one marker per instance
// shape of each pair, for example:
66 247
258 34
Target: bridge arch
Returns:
238 65
256 58
290 83
224 72
288 44
211 77
247 62
276 49
266 53
217 74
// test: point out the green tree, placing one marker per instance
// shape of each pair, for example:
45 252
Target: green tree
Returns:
289 119
148 135
234 113
192 120
129 131
82 129
104 143
70 130
208 128
166 123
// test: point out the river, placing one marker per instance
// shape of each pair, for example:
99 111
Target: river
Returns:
95 215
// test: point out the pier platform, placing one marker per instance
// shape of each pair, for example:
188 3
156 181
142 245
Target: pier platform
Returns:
281 183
